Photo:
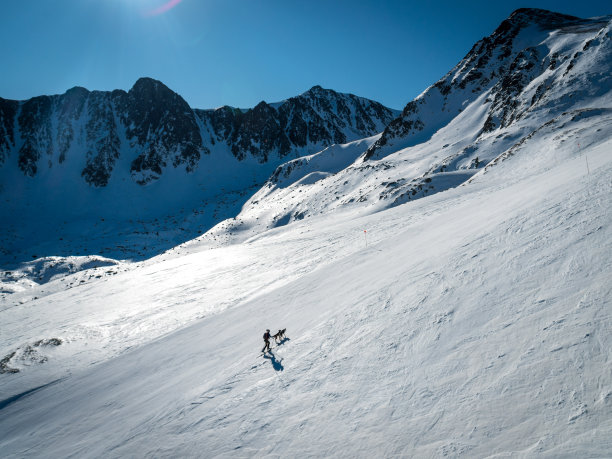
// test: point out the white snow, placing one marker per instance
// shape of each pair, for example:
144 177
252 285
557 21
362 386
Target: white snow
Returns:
476 322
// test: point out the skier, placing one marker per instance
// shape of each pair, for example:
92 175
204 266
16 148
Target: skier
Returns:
266 338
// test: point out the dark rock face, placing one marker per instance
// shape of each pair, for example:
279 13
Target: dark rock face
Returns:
158 124
317 118
69 110
321 115
159 128
162 124
35 123
505 104
495 62
8 111
102 141
258 132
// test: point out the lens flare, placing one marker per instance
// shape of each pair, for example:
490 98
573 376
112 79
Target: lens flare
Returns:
163 8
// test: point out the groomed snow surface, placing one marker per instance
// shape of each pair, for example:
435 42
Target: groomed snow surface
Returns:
475 322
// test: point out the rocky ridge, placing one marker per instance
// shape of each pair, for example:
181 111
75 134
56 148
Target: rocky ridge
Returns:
502 65
318 117
156 129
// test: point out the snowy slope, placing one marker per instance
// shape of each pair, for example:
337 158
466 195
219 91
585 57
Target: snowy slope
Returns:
476 322
539 72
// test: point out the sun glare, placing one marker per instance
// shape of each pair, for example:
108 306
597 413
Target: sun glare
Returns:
165 7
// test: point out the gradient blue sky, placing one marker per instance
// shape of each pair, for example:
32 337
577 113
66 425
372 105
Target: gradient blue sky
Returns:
218 52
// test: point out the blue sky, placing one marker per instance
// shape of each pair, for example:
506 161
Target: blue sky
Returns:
218 52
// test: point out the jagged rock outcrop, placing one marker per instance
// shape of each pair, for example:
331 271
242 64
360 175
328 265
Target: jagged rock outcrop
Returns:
69 110
102 140
35 126
317 118
163 126
8 111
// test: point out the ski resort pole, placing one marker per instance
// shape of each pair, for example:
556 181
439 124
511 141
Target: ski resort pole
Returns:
586 158
365 236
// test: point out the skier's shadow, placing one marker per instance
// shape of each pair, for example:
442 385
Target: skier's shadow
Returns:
276 364
283 341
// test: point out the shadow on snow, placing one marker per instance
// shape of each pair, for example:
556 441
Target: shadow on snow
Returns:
276 364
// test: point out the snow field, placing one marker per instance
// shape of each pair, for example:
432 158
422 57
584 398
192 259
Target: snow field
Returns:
477 322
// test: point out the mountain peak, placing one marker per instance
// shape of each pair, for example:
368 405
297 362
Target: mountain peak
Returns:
317 90
543 18
77 90
146 84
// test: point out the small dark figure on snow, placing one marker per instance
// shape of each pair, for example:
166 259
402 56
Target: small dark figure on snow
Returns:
280 335
266 338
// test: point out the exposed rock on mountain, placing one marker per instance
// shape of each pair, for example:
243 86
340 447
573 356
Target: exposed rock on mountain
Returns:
101 138
502 66
35 128
8 111
311 121
154 128
163 127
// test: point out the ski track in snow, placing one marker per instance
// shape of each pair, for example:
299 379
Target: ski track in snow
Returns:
476 323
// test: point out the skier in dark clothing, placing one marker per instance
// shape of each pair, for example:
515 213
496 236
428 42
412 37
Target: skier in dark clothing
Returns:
266 338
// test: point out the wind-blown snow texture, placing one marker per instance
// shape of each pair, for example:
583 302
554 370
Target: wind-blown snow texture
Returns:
474 322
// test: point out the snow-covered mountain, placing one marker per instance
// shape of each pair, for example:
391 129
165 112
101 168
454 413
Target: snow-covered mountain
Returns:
77 164
539 73
473 322
157 129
